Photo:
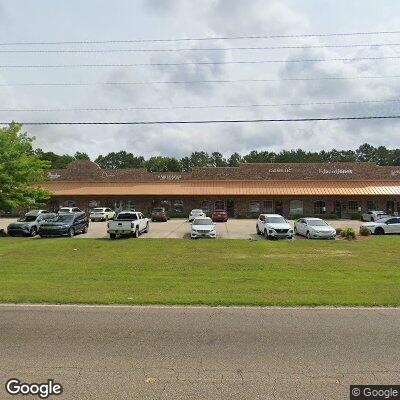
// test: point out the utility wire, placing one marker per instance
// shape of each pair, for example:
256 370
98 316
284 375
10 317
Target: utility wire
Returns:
216 121
197 81
205 48
208 38
198 107
199 63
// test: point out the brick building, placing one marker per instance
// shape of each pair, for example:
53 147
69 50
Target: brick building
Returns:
244 191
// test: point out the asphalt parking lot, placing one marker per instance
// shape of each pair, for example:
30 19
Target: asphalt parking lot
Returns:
180 228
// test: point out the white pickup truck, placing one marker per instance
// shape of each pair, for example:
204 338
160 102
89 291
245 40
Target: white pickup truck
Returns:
128 223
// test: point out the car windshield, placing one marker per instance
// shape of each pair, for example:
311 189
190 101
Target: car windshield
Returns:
28 218
203 221
98 210
317 223
196 211
62 218
64 210
276 220
127 217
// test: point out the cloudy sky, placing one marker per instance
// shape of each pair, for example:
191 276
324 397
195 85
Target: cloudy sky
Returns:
119 20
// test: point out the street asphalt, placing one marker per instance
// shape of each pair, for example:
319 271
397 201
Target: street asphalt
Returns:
113 352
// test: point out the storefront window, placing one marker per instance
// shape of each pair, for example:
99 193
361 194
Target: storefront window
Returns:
371 205
296 207
319 207
206 206
166 204
219 205
254 207
69 203
268 206
353 206
178 206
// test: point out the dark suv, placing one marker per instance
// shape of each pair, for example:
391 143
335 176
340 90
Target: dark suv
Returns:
159 214
65 225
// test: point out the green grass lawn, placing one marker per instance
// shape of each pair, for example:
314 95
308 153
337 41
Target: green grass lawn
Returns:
219 272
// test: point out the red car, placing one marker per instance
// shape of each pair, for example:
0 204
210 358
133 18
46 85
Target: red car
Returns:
219 215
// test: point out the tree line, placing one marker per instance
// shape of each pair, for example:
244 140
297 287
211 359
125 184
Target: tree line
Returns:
122 159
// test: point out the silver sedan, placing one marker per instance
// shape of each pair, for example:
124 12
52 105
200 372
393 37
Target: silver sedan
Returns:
314 228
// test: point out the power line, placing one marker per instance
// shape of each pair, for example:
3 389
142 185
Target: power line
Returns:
205 48
199 63
199 107
197 81
217 121
208 38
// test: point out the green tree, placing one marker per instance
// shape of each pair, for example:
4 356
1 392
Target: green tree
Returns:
81 156
20 170
122 159
56 161
234 160
217 160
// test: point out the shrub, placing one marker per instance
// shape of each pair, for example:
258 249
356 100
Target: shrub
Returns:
356 216
364 231
348 233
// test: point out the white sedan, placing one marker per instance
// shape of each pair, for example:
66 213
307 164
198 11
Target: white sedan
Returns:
383 226
203 227
374 215
314 228
101 214
196 213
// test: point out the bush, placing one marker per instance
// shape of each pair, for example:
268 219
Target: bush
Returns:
356 216
348 233
364 231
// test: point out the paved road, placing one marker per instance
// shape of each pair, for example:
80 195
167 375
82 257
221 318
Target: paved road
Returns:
180 228
199 353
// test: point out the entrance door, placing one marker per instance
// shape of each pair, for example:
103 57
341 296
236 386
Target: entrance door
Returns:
338 209
390 207
279 207
230 208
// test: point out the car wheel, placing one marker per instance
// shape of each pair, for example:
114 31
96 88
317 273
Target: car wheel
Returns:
266 234
295 231
33 231
379 231
308 235
113 236
136 233
85 229
147 228
71 232
92 219
258 231
106 218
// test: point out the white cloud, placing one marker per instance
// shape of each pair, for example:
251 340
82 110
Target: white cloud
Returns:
218 18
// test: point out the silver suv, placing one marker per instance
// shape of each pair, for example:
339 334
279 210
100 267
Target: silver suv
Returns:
29 224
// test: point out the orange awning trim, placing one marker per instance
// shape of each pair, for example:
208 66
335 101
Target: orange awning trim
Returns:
239 188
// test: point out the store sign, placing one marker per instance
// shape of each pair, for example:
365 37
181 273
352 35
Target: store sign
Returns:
52 175
280 170
335 171
169 177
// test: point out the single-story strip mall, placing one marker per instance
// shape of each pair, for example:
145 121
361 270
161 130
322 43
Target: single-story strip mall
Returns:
340 189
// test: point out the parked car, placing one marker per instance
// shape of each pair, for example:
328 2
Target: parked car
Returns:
128 223
384 226
273 226
101 214
219 215
314 228
30 223
65 224
203 227
373 216
159 214
196 213
64 210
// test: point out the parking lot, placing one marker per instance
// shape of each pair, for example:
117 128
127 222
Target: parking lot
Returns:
180 228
